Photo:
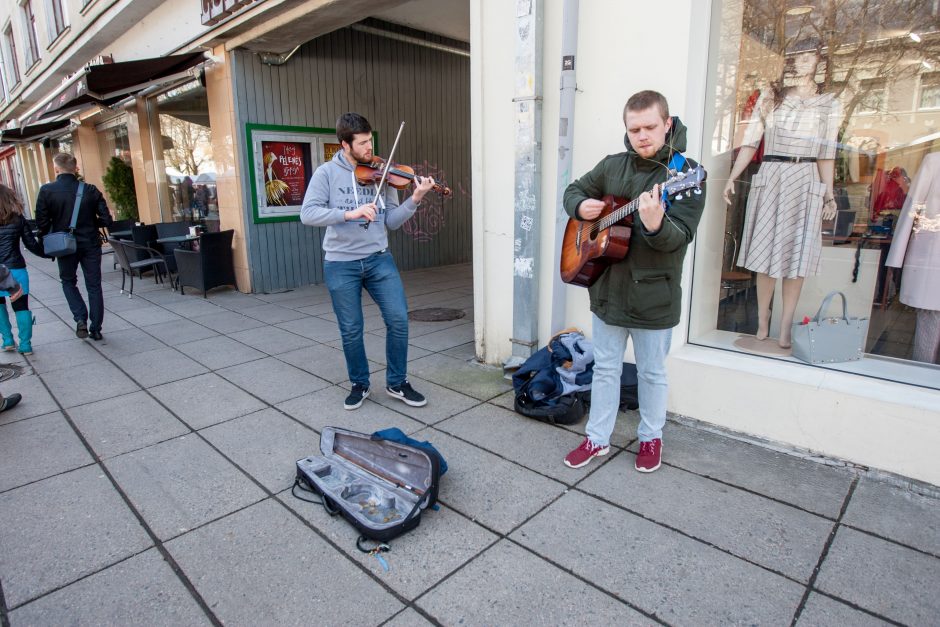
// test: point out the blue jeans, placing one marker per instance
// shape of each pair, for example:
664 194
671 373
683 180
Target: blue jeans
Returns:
378 274
90 260
651 348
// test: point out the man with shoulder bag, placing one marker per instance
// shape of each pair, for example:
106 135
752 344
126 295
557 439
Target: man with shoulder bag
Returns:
67 206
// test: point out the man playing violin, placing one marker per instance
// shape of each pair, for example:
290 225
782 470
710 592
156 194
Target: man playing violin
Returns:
357 256
639 296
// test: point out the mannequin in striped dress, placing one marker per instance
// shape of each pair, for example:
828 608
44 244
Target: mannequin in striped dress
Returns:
792 192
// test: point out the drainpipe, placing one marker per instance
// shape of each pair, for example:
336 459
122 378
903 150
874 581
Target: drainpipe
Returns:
569 48
528 180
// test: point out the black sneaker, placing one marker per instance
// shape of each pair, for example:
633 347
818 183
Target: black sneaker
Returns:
406 393
81 330
356 396
9 402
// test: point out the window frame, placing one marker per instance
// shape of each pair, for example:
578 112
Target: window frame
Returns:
57 22
8 44
32 37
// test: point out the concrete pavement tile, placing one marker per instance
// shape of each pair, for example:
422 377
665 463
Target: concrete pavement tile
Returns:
232 300
58 530
624 428
324 408
190 307
326 362
165 298
506 400
110 323
127 341
466 351
180 332
821 611
680 580
472 379
265 444
408 618
302 291
262 566
181 484
206 399
272 340
158 366
219 352
271 313
273 381
486 488
317 308
149 315
812 486
536 445
774 535
884 578
38 448
93 382
52 332
896 514
419 559
37 401
142 590
313 328
308 300
445 338
124 423
442 402
420 328
369 323
375 348
227 322
507 585
118 303
65 354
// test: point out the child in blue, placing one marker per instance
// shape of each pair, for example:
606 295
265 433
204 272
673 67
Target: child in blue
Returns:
13 228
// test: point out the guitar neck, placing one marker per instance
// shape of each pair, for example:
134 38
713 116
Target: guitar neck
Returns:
618 214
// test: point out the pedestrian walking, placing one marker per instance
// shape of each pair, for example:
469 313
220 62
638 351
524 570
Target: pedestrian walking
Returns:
13 229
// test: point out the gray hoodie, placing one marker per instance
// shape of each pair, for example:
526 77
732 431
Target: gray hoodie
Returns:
331 193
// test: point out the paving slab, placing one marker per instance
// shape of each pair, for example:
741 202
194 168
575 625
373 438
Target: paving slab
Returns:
420 329
878 576
124 423
312 328
408 618
442 402
324 408
466 351
189 307
180 332
227 322
821 611
375 348
508 496
418 559
810 485
219 352
158 366
231 300
37 401
777 536
265 444
271 313
680 580
262 566
143 316
37 448
127 342
445 338
61 529
896 514
141 590
181 484
476 380
508 585
52 331
206 399
323 361
272 380
299 302
70 353
93 382
536 445
272 340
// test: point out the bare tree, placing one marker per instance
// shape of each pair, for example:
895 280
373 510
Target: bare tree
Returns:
190 144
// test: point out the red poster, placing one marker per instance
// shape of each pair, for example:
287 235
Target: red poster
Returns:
284 174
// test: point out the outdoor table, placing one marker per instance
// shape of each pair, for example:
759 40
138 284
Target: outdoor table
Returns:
185 241
122 234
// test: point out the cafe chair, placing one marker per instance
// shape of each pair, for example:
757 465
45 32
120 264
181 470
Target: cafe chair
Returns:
152 260
116 225
211 265
170 229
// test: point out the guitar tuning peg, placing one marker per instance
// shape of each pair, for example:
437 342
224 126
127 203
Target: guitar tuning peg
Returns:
678 196
697 191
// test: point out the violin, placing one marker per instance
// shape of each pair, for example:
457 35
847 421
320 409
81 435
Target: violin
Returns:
399 176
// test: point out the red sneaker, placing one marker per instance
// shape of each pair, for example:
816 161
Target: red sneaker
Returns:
650 456
584 453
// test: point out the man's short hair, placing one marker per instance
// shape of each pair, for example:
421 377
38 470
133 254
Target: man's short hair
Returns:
643 100
65 162
350 124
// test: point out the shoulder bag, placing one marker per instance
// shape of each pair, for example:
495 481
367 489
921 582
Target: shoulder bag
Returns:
62 243
829 340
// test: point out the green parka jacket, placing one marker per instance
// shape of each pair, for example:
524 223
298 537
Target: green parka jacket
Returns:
643 291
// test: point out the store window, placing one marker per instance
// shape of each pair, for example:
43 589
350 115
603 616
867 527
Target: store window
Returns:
822 154
62 143
29 27
186 172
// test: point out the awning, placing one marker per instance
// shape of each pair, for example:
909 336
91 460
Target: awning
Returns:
109 83
31 132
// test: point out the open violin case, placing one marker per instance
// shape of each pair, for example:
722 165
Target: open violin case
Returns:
381 487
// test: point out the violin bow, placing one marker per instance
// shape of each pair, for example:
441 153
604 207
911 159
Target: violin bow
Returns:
388 164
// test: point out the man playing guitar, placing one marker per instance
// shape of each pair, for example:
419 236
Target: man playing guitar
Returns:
641 295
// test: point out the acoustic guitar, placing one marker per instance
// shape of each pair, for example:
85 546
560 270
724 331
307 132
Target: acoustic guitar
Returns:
589 248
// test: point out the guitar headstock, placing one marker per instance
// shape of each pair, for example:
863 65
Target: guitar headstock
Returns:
691 179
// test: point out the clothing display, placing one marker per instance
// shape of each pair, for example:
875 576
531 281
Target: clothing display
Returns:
783 220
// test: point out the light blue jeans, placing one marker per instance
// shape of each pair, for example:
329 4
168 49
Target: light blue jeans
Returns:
378 275
650 348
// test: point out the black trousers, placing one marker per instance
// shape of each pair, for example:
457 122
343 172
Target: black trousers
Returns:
90 261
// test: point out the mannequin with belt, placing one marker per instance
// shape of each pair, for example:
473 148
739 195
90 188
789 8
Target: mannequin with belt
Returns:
792 191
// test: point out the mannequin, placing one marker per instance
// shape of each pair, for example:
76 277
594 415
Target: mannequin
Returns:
792 192
916 248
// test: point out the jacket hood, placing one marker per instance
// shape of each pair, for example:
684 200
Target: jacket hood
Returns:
675 142
340 159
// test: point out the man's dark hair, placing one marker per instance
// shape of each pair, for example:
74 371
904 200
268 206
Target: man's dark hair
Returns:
350 124
643 100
